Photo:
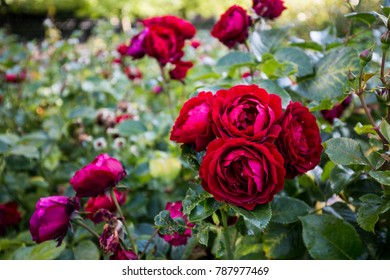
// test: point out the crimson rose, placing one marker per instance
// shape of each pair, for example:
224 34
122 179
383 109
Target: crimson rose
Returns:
193 126
299 141
246 111
103 201
180 70
9 215
242 173
268 8
232 27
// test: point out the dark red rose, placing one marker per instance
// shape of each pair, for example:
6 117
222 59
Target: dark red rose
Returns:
232 27
268 8
180 70
242 173
124 255
122 49
133 73
112 233
16 77
195 44
9 215
136 49
102 174
299 141
177 239
246 111
103 201
51 218
193 126
336 111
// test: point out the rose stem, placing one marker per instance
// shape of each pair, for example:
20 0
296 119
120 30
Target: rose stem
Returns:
123 221
84 225
226 236
147 244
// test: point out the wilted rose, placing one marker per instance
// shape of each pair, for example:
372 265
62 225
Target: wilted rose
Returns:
299 141
51 218
242 173
102 174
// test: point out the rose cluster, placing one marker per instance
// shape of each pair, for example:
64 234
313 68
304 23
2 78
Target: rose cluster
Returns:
52 216
162 38
251 144
233 26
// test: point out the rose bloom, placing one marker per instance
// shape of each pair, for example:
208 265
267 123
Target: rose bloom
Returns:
122 49
177 239
180 70
102 174
242 173
299 141
246 111
268 8
193 125
124 255
232 27
336 111
103 201
51 218
9 215
136 48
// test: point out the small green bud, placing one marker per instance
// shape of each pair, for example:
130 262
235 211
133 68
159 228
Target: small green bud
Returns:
366 56
385 40
351 76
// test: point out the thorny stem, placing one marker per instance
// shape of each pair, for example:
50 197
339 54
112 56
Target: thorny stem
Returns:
147 244
84 225
382 77
118 207
226 236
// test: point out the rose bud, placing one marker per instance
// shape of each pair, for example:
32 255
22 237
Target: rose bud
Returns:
102 174
51 218
9 216
268 8
366 56
124 255
122 49
180 70
232 27
336 111
195 44
103 201
193 125
157 89
299 141
242 173
177 239
246 111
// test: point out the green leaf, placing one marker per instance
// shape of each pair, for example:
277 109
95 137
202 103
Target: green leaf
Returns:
382 17
167 169
9 138
249 248
308 45
257 219
129 128
286 210
202 232
27 151
233 60
383 177
385 129
167 225
45 251
283 241
86 250
330 75
345 151
199 206
386 8
341 177
298 57
272 87
324 242
189 155
368 213
54 126
341 211
364 129
82 112
368 18
266 41
275 69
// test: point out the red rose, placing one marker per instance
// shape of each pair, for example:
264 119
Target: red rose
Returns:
122 49
195 44
103 201
9 216
102 174
124 255
268 8
232 27
136 48
193 126
336 111
246 111
299 141
242 173
175 211
180 70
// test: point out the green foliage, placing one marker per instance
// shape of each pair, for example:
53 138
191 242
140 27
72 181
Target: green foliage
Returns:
345 151
257 219
287 210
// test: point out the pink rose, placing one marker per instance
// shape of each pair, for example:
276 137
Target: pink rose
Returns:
51 218
102 174
193 125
